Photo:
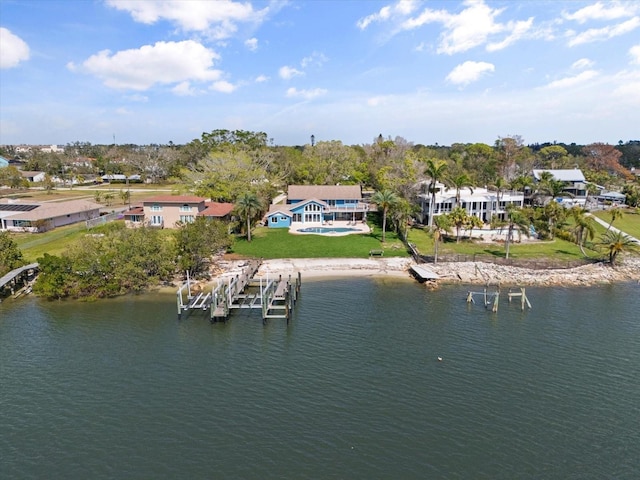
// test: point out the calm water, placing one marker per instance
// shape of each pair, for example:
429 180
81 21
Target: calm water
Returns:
351 389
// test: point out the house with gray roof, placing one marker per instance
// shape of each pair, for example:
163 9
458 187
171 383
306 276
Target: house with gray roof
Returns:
575 184
27 216
318 205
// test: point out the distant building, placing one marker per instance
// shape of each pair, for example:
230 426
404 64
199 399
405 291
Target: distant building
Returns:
27 216
33 176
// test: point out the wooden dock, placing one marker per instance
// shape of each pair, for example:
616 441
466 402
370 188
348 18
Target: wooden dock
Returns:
275 297
423 274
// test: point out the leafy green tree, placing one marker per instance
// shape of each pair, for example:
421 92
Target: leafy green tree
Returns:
108 197
55 277
385 200
197 242
97 196
616 243
10 254
248 206
435 169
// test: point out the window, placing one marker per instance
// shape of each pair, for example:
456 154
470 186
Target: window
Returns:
274 219
312 207
187 218
185 208
156 208
156 220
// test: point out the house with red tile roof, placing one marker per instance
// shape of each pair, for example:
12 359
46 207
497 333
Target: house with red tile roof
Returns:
167 211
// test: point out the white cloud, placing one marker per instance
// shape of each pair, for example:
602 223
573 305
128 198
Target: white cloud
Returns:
383 14
162 63
468 72
219 18
634 53
261 78
402 8
287 72
251 44
306 94
605 33
223 86
518 30
470 28
123 111
600 11
184 89
316 58
13 49
136 97
582 77
582 64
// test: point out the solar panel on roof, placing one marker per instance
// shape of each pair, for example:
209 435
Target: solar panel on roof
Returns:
12 207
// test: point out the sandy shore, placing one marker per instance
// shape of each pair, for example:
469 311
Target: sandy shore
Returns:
457 272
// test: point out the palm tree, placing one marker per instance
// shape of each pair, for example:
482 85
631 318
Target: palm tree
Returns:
247 206
554 213
615 213
459 218
516 220
584 228
385 200
500 185
617 242
435 170
459 182
442 223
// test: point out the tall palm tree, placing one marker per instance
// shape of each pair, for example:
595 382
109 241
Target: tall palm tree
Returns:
442 224
615 214
516 221
435 170
247 206
385 199
459 182
584 226
617 242
500 185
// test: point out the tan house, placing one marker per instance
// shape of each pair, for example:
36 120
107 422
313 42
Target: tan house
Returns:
166 211
26 216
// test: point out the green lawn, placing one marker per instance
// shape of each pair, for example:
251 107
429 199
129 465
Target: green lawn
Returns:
629 223
555 249
279 243
54 242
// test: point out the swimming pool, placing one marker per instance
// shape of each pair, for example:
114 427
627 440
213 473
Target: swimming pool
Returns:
327 230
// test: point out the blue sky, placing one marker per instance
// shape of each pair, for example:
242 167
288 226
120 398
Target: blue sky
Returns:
429 71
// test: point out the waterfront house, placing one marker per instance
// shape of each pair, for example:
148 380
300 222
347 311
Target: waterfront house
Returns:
166 211
27 216
318 205
479 202
575 185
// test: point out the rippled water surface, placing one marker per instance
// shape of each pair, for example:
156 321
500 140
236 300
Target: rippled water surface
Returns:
352 388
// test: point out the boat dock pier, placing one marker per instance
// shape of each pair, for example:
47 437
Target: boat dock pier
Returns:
19 281
275 297
492 299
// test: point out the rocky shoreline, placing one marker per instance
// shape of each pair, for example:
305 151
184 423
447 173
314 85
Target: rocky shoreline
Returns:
449 272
